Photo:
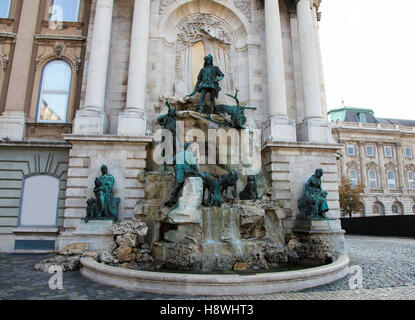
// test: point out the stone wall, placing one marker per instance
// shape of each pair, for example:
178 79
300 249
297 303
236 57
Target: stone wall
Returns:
18 161
125 159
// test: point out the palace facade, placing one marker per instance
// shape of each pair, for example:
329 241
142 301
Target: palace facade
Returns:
379 153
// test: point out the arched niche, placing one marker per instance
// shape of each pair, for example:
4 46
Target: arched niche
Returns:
39 201
188 28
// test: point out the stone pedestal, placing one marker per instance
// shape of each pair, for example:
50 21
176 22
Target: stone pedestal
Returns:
125 159
131 124
188 208
96 233
329 230
89 122
315 131
290 165
280 129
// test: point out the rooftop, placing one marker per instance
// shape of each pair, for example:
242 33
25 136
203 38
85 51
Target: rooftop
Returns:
365 115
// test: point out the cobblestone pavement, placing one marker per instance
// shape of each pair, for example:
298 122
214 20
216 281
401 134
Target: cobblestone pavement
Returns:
387 263
394 293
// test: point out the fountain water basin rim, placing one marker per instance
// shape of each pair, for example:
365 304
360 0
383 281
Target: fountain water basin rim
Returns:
215 284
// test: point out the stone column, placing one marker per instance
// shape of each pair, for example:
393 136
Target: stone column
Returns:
313 128
132 122
362 155
13 119
323 100
92 118
278 126
382 181
402 178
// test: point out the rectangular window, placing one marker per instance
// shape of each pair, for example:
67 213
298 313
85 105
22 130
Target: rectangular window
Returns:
351 150
65 10
388 151
5 6
408 152
370 151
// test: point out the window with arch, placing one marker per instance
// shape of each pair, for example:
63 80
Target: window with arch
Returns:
378 209
54 93
408 152
39 201
411 180
353 177
5 7
391 179
397 208
65 10
373 181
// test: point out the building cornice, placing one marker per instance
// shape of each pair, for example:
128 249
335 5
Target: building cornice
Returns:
59 37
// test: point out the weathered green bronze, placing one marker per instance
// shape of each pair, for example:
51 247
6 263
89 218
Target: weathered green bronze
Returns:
213 186
250 192
313 203
168 121
208 81
228 180
104 206
237 113
185 166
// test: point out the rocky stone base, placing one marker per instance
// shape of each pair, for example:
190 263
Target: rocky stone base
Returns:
68 258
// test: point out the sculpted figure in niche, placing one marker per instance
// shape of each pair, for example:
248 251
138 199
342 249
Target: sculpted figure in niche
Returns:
208 82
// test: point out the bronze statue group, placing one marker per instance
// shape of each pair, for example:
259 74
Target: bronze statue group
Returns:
312 204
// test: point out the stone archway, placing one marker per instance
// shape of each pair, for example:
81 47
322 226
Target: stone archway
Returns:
210 34
221 27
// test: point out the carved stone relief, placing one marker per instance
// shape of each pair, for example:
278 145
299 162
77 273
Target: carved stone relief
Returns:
245 7
217 41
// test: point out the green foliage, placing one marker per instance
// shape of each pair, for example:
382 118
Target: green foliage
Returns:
349 195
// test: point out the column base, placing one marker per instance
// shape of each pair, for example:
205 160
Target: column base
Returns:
280 129
132 124
90 122
314 130
13 126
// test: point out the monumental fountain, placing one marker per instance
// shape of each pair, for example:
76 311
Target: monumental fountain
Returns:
210 228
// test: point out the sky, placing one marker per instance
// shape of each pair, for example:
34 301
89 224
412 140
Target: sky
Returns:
368 49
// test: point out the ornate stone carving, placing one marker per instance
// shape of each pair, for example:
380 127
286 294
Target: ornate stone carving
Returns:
4 61
196 27
245 7
164 4
206 28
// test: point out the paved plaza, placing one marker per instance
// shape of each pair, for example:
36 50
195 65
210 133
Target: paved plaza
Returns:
387 264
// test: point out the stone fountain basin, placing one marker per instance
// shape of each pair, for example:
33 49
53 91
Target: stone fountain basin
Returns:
214 284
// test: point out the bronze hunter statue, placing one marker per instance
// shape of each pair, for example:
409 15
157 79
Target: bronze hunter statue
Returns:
208 81
313 203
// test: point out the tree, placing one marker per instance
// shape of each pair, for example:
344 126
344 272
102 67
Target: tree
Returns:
350 196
